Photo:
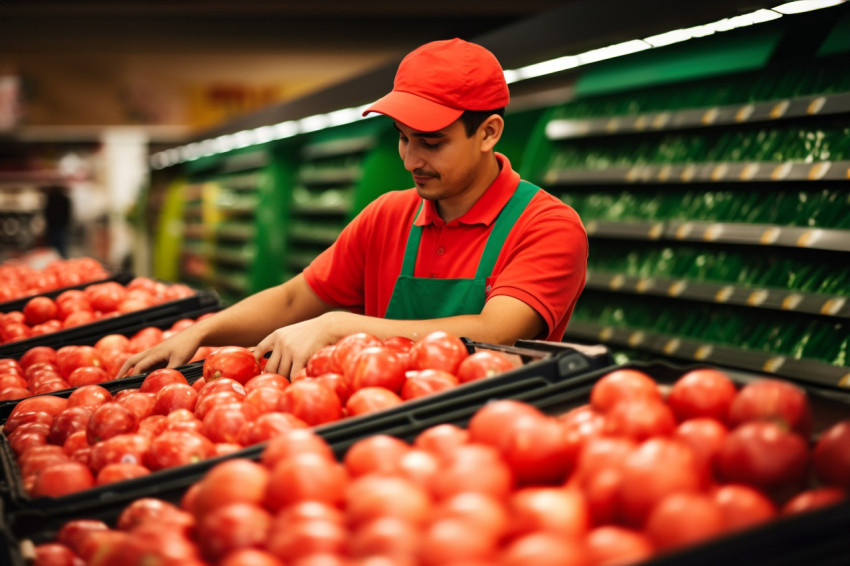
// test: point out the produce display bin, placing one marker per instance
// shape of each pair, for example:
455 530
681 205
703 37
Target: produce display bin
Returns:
87 334
18 304
37 518
814 538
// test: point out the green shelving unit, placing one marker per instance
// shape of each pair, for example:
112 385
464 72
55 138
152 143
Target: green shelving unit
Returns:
717 205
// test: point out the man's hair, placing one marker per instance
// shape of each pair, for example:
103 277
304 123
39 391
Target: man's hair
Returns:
473 118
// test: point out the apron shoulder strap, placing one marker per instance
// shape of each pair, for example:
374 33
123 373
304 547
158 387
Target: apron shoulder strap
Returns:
412 249
503 225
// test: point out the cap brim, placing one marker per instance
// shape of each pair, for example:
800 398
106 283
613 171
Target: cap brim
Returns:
415 112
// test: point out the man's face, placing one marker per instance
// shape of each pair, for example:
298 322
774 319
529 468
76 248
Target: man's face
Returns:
444 164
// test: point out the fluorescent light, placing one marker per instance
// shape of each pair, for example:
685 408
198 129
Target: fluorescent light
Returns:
285 129
224 143
669 37
245 138
806 6
264 134
313 123
543 68
616 50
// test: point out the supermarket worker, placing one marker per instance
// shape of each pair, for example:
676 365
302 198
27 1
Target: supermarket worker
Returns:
471 250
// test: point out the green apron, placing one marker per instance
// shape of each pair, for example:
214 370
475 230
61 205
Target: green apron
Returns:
416 298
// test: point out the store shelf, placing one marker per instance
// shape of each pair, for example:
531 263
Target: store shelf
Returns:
737 114
683 348
329 176
235 232
720 293
315 234
726 172
725 233
333 148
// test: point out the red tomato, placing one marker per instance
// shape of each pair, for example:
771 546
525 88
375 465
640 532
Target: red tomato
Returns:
268 426
67 422
442 440
544 549
291 543
233 481
371 400
376 366
454 541
78 318
483 364
54 554
556 510
622 384
140 404
223 422
763 455
536 449
683 519
18 419
112 473
438 350
69 358
12 393
273 380
705 437
232 362
742 506
105 297
120 449
91 396
112 342
702 393
87 376
473 467
485 512
380 453
306 477
109 420
38 354
312 402
149 510
322 361
640 419
145 338
426 382
347 348
177 448
265 399
772 400
338 383
599 473
61 479
75 531
812 499
372 496
232 527
159 378
250 557
40 309
611 544
47 404
74 442
296 441
831 456
385 536
492 422
657 468
175 396
401 345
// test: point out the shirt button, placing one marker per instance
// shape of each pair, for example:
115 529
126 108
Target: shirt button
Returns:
440 251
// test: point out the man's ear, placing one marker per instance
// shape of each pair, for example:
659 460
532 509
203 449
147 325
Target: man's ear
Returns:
491 131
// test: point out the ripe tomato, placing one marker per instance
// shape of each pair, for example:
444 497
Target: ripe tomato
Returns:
295 543
72 533
485 512
112 473
149 510
702 393
370 400
312 402
109 420
831 456
46 403
611 544
62 478
640 419
223 422
232 362
69 358
175 396
105 297
346 349
140 404
474 467
306 477
556 510
338 383
438 350
454 541
87 376
372 496
743 506
772 400
536 450
159 378
177 448
705 438
296 441
112 342
322 361
232 527
380 453
544 549
682 519
493 421
442 440
91 396
67 422
622 384
272 380
120 449
268 426
483 364
763 455
38 354
385 536
812 499
420 383
40 309
54 554
376 366
233 481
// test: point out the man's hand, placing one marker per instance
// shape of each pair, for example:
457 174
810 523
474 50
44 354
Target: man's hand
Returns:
291 346
171 353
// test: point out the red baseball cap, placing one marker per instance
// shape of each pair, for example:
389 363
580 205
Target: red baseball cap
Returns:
435 83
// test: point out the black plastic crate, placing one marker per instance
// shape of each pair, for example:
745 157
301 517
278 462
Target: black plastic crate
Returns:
18 304
550 365
86 334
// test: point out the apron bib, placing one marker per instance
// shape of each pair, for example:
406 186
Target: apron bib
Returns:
416 298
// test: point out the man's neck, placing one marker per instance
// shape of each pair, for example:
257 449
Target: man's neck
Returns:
455 207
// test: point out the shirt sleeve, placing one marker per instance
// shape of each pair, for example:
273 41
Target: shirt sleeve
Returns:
544 263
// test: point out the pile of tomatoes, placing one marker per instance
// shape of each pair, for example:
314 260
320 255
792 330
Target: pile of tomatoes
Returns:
92 437
19 280
43 315
43 369
634 473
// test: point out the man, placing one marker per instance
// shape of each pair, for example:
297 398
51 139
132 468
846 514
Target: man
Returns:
470 250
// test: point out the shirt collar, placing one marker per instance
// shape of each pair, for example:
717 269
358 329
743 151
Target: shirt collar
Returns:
487 207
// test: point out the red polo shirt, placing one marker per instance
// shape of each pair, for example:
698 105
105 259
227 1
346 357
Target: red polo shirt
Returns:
543 262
